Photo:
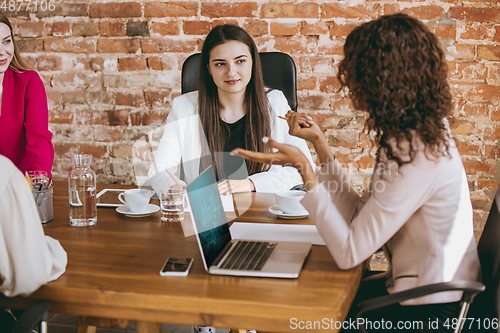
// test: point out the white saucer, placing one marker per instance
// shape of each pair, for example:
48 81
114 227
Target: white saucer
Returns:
277 211
150 209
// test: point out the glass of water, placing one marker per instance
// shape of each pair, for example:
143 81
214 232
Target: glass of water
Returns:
172 205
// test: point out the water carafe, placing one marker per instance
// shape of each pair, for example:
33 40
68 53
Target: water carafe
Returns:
82 192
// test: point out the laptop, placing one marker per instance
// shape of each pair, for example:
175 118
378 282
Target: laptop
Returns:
225 256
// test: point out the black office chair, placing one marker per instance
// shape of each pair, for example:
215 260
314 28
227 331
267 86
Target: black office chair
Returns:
278 70
486 307
35 314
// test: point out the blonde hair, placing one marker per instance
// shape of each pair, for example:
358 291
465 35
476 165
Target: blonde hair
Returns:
17 62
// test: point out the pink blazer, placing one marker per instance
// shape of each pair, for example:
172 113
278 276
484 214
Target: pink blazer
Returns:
24 135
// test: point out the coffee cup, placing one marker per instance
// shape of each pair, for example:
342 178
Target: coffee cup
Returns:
136 199
289 201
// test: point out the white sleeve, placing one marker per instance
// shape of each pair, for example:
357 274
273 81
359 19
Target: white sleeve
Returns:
28 258
279 178
353 236
168 155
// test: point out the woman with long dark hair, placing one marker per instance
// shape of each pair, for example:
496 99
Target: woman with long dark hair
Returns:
26 139
417 206
232 109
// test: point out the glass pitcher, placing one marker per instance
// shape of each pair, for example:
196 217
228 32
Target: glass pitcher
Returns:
82 192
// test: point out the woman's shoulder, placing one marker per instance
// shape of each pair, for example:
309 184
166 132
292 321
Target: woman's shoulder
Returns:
25 77
185 104
278 102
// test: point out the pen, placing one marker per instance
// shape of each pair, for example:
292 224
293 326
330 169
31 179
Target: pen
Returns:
28 179
284 118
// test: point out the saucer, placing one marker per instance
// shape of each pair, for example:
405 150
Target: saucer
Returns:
150 209
276 211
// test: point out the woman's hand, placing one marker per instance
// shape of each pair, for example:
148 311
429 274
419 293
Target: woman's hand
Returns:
286 155
303 127
229 186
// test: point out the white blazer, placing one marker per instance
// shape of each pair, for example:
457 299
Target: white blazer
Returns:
184 138
421 211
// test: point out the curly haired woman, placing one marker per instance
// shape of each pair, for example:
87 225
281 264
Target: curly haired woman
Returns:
417 206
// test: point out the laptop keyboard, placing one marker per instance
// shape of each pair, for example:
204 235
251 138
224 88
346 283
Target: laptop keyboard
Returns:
248 255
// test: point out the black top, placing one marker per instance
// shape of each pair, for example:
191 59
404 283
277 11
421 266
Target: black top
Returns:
236 139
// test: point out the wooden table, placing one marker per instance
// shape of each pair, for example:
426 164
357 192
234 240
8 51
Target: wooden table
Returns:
113 270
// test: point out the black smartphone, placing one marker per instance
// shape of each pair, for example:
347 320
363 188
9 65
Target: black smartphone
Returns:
176 267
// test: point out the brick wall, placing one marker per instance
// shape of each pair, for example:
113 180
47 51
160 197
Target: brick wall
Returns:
111 69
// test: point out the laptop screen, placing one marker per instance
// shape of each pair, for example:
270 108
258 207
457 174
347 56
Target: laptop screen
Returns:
208 215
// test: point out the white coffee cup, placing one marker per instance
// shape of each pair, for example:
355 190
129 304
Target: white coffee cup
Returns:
289 201
136 199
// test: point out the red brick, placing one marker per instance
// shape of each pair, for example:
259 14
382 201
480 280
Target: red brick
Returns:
64 9
314 29
304 83
74 97
85 29
477 71
112 118
313 102
30 60
390 9
462 127
329 85
492 132
492 152
160 99
497 34
60 117
115 9
295 44
97 64
479 92
30 45
118 45
97 151
136 99
256 27
468 148
61 29
29 29
49 63
158 45
53 97
228 9
131 64
62 148
108 134
147 118
475 110
290 10
101 97
461 51
112 29
478 33
223 21
474 167
472 15
196 27
165 29
158 64
365 162
490 185
425 12
311 64
489 52
137 28
341 30
285 29
170 9
445 31
72 45
348 12
494 72
79 79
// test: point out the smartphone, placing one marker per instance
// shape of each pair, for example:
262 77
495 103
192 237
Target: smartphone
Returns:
176 267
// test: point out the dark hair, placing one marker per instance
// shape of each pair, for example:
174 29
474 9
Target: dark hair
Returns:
395 69
257 123
17 62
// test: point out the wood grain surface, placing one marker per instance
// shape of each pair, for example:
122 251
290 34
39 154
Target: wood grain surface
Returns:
113 270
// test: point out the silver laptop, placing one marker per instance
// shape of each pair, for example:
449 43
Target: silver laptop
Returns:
225 256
